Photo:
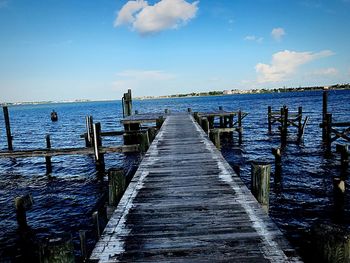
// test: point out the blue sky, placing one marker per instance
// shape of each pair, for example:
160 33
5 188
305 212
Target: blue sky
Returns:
63 50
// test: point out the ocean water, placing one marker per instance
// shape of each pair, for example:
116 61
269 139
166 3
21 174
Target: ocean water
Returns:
65 201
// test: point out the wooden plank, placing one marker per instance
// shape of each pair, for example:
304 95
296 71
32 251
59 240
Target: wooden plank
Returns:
67 151
186 204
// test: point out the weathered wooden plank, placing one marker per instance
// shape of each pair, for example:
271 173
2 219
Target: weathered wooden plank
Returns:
185 204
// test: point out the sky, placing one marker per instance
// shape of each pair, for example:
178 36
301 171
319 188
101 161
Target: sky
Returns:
97 49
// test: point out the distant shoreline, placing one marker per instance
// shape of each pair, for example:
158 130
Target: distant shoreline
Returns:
194 94
251 91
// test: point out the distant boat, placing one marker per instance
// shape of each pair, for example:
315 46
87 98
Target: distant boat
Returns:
54 116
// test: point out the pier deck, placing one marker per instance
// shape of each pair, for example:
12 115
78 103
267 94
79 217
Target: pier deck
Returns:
186 204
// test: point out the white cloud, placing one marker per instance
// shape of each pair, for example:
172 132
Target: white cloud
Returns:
254 38
278 33
148 19
126 15
285 63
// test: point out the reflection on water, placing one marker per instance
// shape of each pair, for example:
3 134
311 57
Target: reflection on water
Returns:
65 201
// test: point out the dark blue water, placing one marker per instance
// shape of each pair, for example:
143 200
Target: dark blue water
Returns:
65 201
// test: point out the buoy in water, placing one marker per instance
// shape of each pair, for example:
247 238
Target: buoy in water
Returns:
54 116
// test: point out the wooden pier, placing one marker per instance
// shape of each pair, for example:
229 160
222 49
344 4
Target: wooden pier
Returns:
186 204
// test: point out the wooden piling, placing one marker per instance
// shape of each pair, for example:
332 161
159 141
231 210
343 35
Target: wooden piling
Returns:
230 121
143 140
339 185
83 249
260 180
8 128
221 118
96 222
331 243
216 138
166 111
127 103
116 186
269 118
300 119
159 122
57 250
136 112
324 113
328 129
22 204
89 131
99 157
152 132
48 158
344 155
195 116
240 128
205 125
284 124
189 110
278 161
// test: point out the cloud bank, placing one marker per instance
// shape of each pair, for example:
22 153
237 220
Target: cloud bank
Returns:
150 19
285 63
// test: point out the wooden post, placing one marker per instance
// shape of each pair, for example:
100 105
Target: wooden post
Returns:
230 121
240 131
166 111
216 138
195 116
143 140
22 204
89 131
339 185
331 243
189 110
48 158
127 103
300 119
96 222
221 118
278 161
8 128
99 157
324 113
116 186
269 118
83 249
152 132
284 124
159 122
57 249
225 121
205 125
260 179
328 127
344 155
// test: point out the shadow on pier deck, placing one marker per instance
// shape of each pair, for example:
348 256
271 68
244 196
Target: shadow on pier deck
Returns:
186 204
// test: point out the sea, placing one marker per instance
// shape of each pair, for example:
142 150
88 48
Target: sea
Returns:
65 200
